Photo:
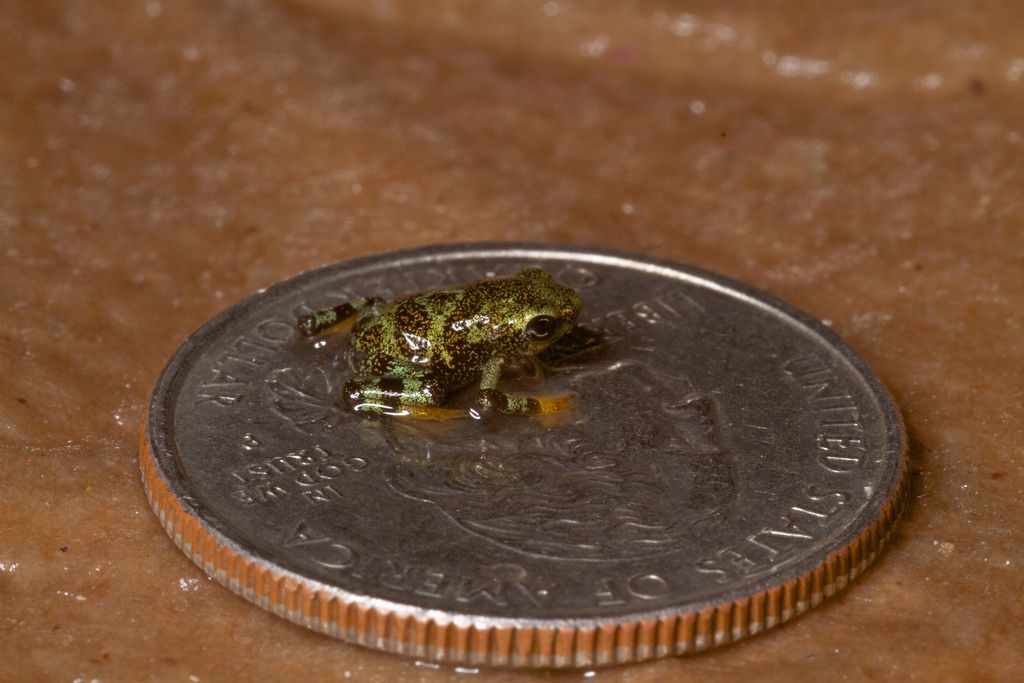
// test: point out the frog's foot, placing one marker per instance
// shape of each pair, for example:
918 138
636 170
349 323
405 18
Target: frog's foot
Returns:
413 397
330 319
491 399
514 404
325 320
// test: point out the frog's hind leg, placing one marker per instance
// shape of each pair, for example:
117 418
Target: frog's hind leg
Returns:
405 396
491 398
330 319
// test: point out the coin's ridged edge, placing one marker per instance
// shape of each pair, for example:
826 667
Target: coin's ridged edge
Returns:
563 647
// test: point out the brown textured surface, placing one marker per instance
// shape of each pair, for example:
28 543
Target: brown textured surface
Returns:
159 160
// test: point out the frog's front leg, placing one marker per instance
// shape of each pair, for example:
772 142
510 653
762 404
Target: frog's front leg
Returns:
329 319
490 398
404 393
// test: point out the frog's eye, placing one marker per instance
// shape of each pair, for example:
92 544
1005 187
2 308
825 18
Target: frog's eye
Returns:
541 327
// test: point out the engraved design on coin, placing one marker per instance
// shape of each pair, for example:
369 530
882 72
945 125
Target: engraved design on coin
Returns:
595 490
728 463
305 396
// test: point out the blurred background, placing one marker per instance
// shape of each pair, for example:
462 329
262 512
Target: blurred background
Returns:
160 160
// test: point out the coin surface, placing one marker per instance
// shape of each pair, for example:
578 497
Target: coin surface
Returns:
727 463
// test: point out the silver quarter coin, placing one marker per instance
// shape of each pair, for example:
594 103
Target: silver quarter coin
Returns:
727 463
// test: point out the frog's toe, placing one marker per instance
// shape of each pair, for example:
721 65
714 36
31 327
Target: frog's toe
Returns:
492 400
307 325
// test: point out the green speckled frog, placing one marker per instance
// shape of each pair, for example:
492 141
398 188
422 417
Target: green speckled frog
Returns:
411 354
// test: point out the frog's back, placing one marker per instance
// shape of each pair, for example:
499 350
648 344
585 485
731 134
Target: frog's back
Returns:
412 330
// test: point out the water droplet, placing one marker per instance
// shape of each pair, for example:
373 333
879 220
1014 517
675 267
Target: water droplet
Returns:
427 665
792 66
595 47
859 80
684 25
1015 70
723 32
928 82
188 584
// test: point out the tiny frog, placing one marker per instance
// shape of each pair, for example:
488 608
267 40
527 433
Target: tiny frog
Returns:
412 353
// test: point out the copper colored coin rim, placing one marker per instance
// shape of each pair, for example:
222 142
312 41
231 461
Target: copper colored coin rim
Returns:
462 641
466 639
